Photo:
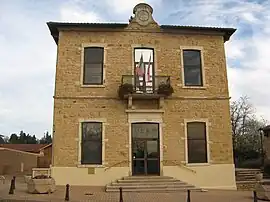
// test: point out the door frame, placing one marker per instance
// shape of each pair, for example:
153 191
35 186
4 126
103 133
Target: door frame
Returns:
158 140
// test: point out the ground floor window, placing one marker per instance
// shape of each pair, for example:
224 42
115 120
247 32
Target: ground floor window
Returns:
196 142
91 144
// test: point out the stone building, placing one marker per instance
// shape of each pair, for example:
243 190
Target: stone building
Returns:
141 99
20 159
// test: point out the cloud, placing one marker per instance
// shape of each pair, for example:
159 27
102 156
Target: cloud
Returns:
27 72
71 12
28 52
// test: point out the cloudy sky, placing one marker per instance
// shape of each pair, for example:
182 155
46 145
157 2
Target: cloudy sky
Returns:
28 52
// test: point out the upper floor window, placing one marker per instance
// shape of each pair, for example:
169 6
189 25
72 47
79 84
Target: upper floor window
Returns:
144 69
93 66
192 68
91 145
196 142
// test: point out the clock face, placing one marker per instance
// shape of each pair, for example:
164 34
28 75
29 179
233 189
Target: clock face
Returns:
143 17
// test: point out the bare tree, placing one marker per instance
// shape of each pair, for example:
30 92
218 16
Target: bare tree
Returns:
241 112
245 125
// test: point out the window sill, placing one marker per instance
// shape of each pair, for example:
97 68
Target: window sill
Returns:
92 86
90 166
197 164
195 87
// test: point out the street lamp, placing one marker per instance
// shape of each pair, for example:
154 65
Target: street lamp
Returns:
265 131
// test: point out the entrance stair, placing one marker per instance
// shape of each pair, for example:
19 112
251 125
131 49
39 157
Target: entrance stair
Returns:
245 178
150 184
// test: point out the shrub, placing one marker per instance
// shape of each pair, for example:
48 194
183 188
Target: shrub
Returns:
125 89
165 89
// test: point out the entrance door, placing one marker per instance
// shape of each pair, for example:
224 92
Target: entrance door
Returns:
145 149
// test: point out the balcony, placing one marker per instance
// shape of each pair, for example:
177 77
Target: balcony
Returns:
141 88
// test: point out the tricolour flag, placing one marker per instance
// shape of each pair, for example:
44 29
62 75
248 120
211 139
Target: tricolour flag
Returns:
140 67
148 69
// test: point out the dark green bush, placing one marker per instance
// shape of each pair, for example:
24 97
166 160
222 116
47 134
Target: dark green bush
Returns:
165 89
125 89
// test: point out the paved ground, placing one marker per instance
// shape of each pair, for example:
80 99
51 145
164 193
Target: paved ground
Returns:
78 194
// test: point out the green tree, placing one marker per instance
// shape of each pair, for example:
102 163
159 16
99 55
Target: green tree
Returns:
22 138
14 139
46 139
2 141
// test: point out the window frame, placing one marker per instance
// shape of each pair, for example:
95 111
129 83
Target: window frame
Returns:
207 142
192 48
93 45
134 48
103 140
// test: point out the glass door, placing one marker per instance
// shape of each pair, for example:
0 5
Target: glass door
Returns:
145 149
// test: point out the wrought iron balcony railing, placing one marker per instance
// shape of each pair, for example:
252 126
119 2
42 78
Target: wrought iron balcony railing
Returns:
132 84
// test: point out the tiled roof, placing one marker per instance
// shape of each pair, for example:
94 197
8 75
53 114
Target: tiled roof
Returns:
32 148
54 26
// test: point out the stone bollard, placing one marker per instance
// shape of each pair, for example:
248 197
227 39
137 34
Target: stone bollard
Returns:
121 194
67 193
255 196
11 189
188 195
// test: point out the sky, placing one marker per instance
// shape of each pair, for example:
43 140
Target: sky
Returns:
28 52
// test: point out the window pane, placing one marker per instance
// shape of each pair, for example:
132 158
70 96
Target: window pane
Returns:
91 143
145 130
197 152
92 152
196 130
192 68
146 54
93 55
94 68
91 131
93 74
197 148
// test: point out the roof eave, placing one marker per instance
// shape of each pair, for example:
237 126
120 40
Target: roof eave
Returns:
55 26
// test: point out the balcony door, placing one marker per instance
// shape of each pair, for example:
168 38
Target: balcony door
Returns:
145 149
144 70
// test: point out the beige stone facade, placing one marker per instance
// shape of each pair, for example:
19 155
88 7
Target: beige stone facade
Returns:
75 103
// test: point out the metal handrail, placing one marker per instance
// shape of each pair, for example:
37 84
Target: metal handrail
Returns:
109 167
173 161
181 165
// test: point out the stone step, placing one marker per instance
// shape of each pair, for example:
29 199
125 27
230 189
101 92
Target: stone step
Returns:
245 182
154 189
146 180
245 177
247 172
247 169
149 184
125 183
146 177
